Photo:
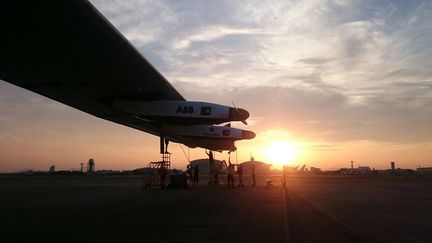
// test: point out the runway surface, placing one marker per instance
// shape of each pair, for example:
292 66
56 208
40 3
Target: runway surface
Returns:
313 209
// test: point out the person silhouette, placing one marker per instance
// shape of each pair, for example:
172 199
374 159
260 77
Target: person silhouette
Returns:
196 175
163 173
230 174
253 174
240 174
212 167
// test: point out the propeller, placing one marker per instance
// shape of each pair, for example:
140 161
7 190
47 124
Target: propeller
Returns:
235 107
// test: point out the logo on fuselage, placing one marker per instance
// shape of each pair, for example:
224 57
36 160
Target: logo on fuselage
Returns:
211 133
185 109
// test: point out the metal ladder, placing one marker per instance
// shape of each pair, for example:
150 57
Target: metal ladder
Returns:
153 178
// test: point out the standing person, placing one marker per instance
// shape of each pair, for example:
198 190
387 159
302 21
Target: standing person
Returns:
212 167
196 175
189 173
162 173
216 175
240 174
230 174
253 174
284 174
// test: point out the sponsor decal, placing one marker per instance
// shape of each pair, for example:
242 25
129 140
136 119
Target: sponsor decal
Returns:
206 111
185 109
211 133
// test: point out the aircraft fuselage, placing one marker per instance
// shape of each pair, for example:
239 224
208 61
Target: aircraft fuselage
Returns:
182 112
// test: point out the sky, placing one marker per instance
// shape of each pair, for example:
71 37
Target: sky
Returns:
326 82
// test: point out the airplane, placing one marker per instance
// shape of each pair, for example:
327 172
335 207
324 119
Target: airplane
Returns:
69 52
216 138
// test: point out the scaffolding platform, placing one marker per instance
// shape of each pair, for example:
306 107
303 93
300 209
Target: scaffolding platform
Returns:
156 170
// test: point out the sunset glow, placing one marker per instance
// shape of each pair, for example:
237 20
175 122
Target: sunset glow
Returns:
281 153
325 83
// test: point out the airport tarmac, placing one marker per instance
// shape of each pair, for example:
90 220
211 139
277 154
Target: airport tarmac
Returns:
310 209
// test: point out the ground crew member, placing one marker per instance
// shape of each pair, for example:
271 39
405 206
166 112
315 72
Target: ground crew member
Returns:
240 173
216 174
230 173
284 175
162 173
189 173
212 167
196 175
253 174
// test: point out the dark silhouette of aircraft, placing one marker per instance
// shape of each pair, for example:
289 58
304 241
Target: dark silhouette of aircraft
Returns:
69 52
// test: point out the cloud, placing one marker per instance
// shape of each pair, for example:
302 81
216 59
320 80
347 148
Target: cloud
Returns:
325 70
358 67
317 116
210 33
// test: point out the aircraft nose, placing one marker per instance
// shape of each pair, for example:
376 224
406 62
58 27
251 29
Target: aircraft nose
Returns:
239 114
248 134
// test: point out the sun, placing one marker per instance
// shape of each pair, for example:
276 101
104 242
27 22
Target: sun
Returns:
281 152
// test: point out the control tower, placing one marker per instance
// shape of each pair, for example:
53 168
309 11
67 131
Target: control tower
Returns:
91 166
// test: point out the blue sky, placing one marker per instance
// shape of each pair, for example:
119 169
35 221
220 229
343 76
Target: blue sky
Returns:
333 76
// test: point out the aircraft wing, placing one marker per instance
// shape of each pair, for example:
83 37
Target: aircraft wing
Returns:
67 51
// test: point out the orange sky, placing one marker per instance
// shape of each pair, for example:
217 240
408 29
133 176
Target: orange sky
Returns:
352 81
66 137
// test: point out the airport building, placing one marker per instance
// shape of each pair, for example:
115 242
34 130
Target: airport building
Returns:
424 170
361 170
315 170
